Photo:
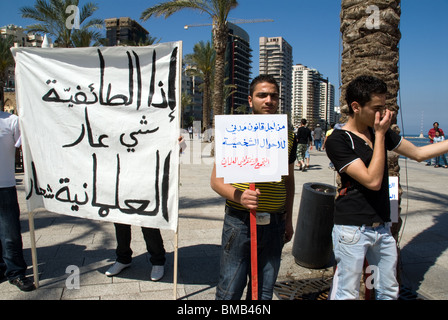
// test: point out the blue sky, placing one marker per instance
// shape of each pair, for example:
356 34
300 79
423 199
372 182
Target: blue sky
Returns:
312 28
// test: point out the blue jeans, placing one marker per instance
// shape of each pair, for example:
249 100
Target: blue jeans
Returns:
441 159
235 262
318 144
351 245
11 251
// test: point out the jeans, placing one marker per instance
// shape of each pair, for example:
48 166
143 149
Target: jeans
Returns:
351 245
153 240
235 264
11 248
441 159
318 144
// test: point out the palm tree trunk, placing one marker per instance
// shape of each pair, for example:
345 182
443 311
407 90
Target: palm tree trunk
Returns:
206 106
370 37
220 43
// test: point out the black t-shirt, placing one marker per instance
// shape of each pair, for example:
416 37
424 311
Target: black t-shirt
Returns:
355 204
303 135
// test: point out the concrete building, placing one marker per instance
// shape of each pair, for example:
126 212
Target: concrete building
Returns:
238 68
312 97
124 31
191 86
276 60
21 38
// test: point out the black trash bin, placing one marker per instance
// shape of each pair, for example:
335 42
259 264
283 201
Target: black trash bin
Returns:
312 247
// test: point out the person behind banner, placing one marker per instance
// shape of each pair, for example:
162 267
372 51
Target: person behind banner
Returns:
274 198
362 208
12 263
154 245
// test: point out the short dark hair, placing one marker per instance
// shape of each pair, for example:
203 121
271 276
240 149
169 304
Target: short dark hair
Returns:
361 89
262 78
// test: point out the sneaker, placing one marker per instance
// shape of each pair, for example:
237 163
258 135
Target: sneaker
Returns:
23 283
157 273
116 268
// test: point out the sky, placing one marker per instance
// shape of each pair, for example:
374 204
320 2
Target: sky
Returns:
311 27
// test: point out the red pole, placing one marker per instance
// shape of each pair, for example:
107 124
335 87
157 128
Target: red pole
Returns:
253 249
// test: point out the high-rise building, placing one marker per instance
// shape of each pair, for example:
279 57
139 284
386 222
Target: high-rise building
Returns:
191 86
276 60
312 97
238 66
124 31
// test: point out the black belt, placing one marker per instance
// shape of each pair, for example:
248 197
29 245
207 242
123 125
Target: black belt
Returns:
375 224
244 215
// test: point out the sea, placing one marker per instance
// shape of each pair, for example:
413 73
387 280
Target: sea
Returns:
416 140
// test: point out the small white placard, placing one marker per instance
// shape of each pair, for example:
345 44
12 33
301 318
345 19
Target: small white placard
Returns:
251 148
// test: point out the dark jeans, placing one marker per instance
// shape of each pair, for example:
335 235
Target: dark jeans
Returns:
153 239
11 248
235 255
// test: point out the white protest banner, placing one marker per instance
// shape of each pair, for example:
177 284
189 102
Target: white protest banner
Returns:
99 130
251 148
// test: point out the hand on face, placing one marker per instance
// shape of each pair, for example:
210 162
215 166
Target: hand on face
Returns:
383 120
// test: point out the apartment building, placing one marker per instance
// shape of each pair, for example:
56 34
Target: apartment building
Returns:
312 97
276 60
238 68
124 31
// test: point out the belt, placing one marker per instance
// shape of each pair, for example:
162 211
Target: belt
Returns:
244 215
375 224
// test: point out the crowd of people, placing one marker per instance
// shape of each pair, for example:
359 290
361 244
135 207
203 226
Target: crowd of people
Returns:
361 230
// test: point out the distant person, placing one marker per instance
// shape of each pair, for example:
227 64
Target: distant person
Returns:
362 207
327 134
431 135
330 131
304 139
317 135
190 132
442 158
274 198
12 263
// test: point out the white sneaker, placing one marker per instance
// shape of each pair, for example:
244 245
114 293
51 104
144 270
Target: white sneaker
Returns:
157 273
116 268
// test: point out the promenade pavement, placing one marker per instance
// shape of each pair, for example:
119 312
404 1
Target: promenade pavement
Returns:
64 241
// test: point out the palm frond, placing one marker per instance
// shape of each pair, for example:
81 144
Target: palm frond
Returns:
168 8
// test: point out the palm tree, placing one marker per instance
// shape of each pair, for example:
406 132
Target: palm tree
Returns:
218 10
202 62
85 37
370 37
53 18
6 62
371 47
185 100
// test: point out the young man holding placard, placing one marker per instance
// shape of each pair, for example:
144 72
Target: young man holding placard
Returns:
273 199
